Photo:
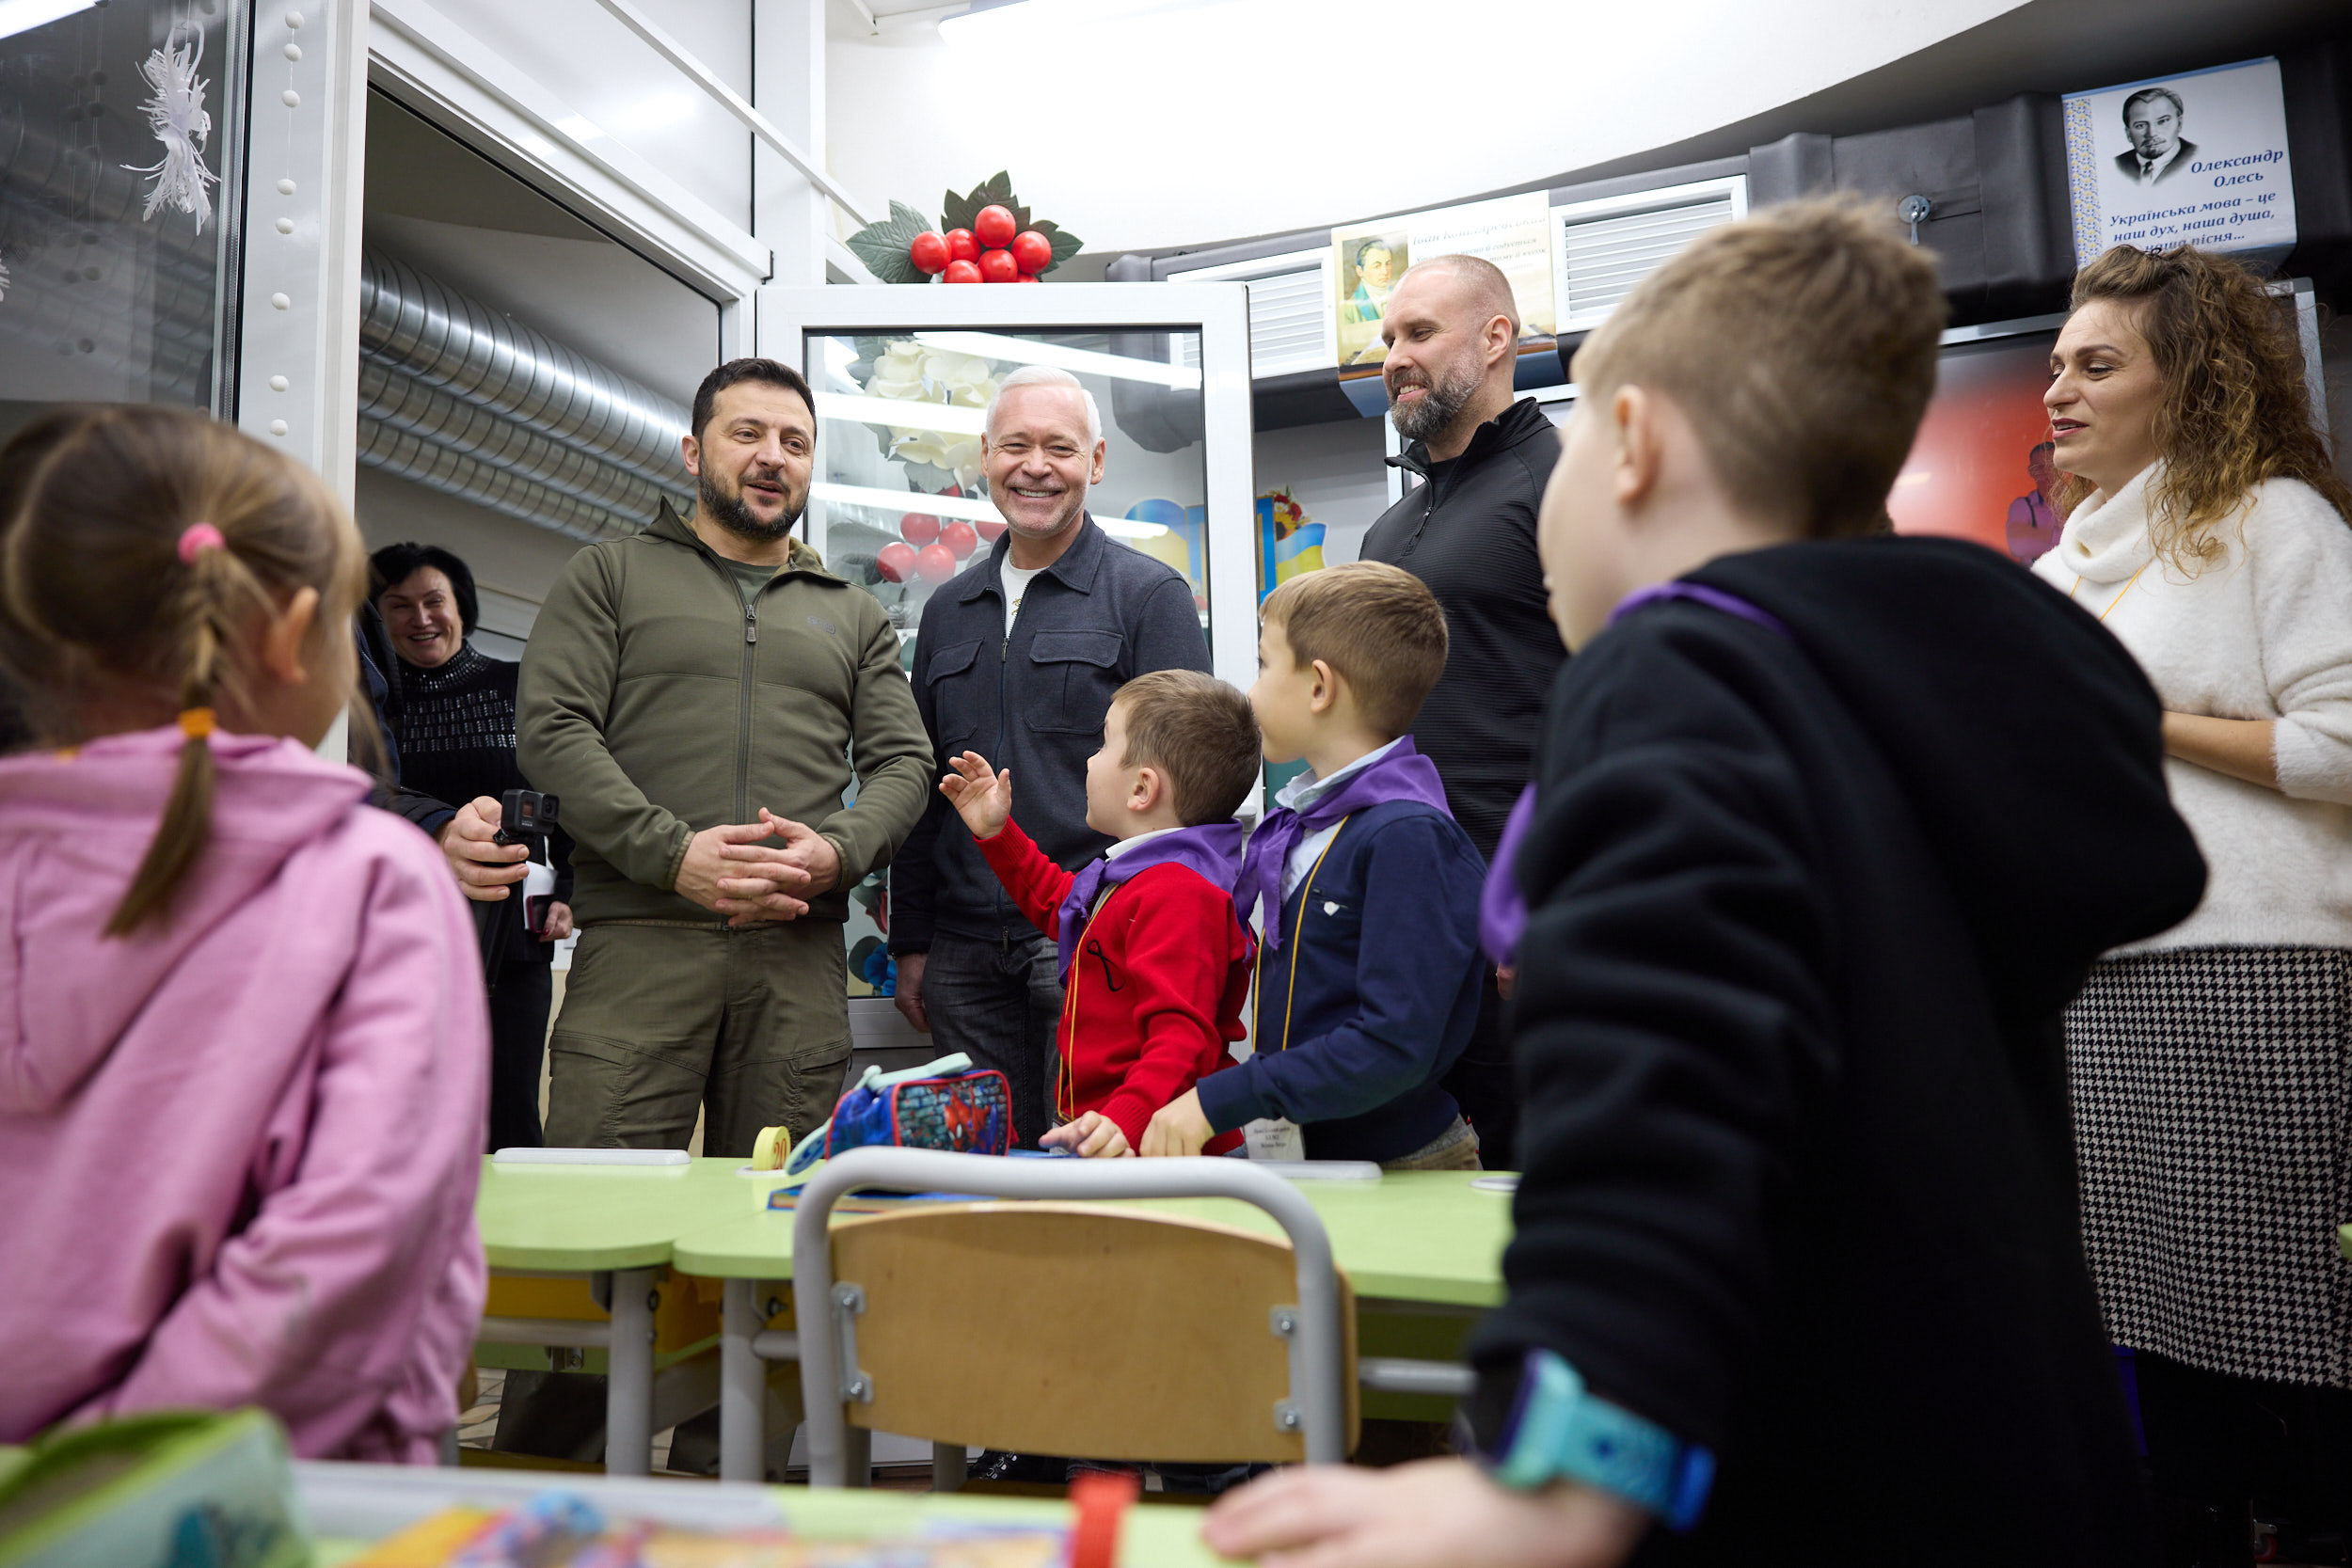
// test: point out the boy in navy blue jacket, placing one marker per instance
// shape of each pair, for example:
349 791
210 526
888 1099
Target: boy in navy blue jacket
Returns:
1369 974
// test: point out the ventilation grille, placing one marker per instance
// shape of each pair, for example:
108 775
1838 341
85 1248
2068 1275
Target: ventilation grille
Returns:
1604 254
1290 312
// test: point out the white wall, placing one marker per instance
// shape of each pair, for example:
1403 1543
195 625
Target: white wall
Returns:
581 53
1250 116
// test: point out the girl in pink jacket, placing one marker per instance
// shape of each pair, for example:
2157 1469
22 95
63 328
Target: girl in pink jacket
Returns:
243 1041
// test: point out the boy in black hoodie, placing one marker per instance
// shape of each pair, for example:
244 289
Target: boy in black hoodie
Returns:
1827 832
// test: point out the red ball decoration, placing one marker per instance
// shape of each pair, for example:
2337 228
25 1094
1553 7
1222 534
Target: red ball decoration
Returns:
961 246
962 271
992 528
1032 252
994 227
895 560
996 266
930 253
960 539
1029 277
934 563
918 528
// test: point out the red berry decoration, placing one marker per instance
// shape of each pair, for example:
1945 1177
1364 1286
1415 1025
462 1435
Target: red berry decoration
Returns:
918 528
960 538
994 227
998 267
992 528
895 560
930 253
1032 252
934 563
962 271
961 246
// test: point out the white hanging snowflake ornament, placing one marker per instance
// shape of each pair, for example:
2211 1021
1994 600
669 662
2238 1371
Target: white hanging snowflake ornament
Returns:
175 111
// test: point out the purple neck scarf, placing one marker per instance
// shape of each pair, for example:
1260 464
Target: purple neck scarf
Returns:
1213 851
1403 774
1501 907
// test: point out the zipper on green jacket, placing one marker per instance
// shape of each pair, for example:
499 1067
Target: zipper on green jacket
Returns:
743 709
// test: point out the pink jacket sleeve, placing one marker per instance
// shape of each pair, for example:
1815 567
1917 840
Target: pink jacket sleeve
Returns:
348 1304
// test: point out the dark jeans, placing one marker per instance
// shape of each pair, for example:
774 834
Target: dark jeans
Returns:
518 1042
2220 1448
999 1004
1484 1086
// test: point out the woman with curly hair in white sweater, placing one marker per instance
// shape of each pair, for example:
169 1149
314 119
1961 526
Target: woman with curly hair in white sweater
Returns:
2212 1064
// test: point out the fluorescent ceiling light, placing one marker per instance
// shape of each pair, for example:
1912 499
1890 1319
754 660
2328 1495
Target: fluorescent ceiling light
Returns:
22 16
989 346
898 503
903 414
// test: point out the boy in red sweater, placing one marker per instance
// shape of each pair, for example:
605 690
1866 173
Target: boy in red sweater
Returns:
1155 958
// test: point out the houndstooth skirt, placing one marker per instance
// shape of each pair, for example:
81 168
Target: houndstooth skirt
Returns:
2212 1118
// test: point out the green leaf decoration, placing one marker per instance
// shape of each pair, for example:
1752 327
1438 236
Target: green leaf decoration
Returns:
956 211
1065 243
883 247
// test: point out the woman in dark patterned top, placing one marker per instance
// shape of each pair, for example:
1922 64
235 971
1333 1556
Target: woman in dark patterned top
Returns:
452 714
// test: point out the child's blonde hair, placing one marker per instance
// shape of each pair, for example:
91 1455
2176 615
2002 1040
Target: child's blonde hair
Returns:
102 607
1801 343
1376 626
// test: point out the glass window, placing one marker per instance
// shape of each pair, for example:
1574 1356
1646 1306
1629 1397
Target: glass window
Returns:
900 499
901 504
116 129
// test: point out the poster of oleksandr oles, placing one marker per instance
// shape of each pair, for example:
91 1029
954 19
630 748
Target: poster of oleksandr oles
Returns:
2199 159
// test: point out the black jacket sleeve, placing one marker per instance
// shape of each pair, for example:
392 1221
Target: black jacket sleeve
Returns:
1672 1038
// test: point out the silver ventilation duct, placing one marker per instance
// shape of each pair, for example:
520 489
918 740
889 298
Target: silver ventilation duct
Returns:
453 473
427 331
412 408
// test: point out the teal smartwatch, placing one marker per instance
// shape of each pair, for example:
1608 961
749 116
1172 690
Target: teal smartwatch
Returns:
1558 1430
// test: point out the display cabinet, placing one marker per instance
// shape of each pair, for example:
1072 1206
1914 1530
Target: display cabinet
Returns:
899 501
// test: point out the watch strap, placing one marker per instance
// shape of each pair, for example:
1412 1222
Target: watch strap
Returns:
1559 1430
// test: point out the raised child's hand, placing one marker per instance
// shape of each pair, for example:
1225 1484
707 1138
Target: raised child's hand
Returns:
1094 1136
1178 1128
981 797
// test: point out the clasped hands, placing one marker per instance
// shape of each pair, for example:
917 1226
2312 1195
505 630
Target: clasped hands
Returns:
727 869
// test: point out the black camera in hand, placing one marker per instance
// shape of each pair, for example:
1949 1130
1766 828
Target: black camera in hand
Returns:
528 817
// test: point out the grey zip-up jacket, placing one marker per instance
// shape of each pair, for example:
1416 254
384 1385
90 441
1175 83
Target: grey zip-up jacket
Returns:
655 705
1033 702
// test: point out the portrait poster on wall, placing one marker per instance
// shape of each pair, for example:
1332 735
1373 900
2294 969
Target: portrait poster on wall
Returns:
2199 159
1367 259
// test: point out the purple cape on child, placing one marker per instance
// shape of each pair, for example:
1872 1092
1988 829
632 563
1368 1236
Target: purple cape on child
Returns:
1213 849
1404 774
1501 907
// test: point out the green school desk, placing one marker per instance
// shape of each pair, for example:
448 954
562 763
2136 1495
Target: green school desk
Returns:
1423 1250
612 1225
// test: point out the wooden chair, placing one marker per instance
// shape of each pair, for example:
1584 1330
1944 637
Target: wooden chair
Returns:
1056 1327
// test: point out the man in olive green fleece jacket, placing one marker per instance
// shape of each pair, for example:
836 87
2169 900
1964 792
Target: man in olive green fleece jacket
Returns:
697 697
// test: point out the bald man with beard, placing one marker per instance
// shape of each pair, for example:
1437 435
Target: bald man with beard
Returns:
1468 532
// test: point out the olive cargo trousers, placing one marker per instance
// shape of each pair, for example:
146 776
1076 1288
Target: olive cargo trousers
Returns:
752 1026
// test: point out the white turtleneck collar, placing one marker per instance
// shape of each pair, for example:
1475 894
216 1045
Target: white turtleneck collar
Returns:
2107 539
